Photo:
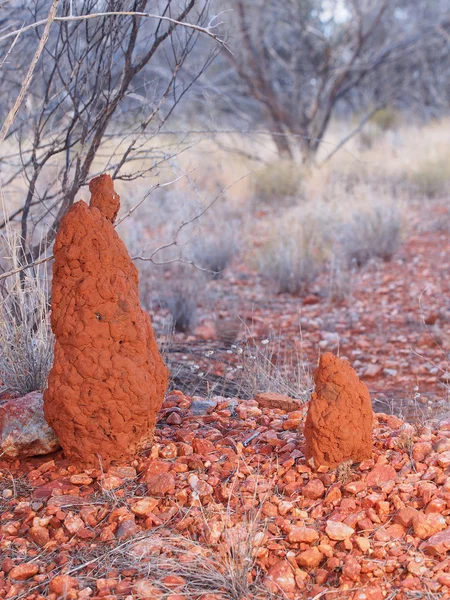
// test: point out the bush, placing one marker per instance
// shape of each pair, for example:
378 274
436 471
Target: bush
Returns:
26 339
386 119
372 233
294 255
181 296
431 179
277 181
215 246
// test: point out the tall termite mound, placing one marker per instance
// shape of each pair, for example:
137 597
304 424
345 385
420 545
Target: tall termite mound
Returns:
339 422
108 379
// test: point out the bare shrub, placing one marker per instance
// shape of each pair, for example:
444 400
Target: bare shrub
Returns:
373 232
26 339
267 366
294 255
277 181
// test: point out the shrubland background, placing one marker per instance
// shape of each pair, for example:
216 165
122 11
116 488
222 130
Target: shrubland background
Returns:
295 145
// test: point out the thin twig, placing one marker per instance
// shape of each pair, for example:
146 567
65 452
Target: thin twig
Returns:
198 28
23 90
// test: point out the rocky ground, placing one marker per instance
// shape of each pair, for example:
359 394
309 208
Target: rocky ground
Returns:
226 506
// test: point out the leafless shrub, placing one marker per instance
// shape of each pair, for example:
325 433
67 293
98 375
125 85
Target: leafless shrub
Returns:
372 233
266 366
26 339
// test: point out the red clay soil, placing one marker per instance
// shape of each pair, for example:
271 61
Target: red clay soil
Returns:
108 379
339 422
229 496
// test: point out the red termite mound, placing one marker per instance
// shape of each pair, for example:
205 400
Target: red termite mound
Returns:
108 379
339 422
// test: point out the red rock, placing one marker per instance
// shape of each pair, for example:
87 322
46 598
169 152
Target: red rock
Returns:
73 524
381 474
310 558
421 450
405 516
338 531
143 588
108 379
303 534
127 529
202 447
339 407
61 584
39 535
23 428
174 419
280 577
160 485
273 400
23 571
144 506
427 525
351 568
81 479
438 543
314 489
444 459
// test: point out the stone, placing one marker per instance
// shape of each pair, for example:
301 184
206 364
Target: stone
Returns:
160 485
24 571
280 577
310 558
427 525
421 450
81 479
308 535
338 531
438 543
108 379
39 535
23 428
339 421
314 489
351 568
273 400
381 474
61 584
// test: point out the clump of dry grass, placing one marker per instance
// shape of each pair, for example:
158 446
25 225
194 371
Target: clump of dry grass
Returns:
266 366
431 178
372 232
181 293
295 252
279 180
26 339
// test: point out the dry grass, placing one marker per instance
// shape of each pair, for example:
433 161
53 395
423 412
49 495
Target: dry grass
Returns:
279 180
26 339
269 366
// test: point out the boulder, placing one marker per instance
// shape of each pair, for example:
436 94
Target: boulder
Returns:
23 428
108 379
338 425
